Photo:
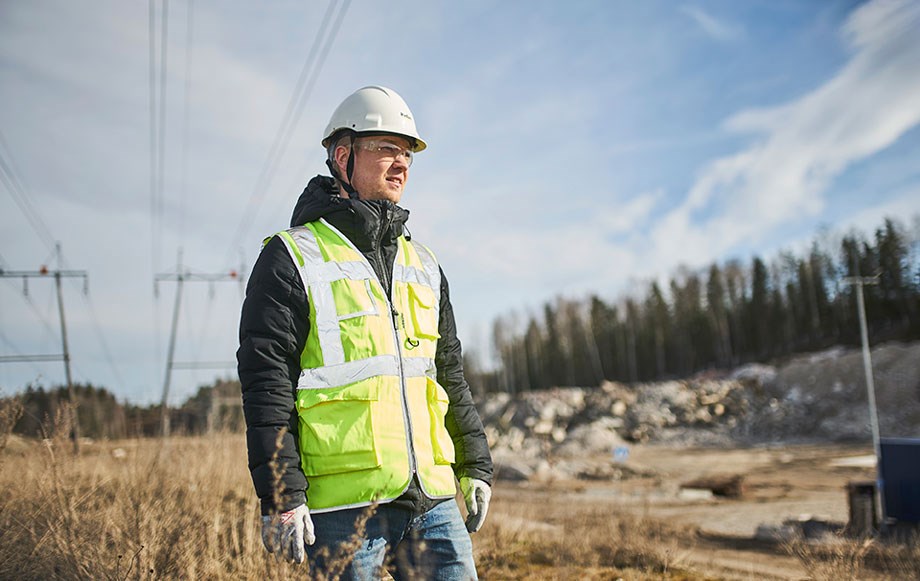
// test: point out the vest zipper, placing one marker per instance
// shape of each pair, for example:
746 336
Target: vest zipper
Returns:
394 315
413 466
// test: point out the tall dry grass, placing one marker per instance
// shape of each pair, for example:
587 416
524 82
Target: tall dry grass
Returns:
11 409
185 509
862 558
562 541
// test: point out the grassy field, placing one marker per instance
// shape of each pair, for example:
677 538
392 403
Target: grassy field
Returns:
185 509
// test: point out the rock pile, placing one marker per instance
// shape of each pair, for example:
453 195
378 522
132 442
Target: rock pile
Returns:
575 431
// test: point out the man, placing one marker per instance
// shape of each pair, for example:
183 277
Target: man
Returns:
352 373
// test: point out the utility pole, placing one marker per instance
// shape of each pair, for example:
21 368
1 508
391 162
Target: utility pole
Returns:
859 282
181 276
58 274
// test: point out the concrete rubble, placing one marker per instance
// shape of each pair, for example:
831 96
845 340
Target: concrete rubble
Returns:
575 432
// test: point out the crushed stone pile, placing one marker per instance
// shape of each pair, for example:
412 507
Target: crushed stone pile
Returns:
820 397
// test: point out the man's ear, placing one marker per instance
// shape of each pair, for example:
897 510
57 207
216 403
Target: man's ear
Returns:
340 156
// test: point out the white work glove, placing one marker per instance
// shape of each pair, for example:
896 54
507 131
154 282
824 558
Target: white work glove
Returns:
477 495
286 533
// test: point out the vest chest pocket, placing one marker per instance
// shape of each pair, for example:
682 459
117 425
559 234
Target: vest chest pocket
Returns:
353 298
337 428
438 403
422 307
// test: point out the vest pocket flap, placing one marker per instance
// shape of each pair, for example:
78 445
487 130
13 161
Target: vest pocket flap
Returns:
337 429
422 306
359 391
421 294
353 298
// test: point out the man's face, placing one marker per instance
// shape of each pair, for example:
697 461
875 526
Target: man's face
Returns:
378 174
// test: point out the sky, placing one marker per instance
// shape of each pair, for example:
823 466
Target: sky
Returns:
575 148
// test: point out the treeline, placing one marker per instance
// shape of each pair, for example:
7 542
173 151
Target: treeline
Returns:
712 319
716 318
100 415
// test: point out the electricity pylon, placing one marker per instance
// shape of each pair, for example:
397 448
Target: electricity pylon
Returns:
58 274
181 276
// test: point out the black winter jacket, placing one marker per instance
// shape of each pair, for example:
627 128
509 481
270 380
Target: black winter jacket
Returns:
273 330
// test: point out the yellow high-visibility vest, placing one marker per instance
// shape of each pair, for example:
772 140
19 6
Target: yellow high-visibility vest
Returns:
371 410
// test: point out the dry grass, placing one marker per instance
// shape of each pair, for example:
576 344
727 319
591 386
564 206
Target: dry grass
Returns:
185 509
866 558
11 410
841 560
131 510
562 540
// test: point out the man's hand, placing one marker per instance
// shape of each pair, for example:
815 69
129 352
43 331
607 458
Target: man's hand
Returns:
477 495
286 533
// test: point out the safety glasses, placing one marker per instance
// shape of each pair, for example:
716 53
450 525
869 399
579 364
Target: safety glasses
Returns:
386 151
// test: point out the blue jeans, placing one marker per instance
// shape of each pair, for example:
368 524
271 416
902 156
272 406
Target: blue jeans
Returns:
434 545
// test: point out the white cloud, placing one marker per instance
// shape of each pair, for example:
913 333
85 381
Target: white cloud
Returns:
716 29
629 216
798 149
802 146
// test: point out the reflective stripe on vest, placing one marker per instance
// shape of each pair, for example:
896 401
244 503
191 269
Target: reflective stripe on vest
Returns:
371 411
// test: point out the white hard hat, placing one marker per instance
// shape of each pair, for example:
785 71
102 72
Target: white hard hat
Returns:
374 109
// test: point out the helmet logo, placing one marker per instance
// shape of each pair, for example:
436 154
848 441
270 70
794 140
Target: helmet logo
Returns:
406 115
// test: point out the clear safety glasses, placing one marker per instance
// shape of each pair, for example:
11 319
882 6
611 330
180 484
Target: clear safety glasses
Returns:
386 151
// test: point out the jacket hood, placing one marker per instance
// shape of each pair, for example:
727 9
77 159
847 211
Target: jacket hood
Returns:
319 199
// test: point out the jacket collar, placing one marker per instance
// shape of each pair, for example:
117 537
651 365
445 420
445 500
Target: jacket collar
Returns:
367 223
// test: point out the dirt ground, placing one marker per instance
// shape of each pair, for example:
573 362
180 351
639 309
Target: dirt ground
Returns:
783 483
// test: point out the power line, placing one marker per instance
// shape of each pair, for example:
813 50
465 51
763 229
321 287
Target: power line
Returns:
161 178
32 305
16 186
12 347
151 102
189 38
268 165
94 319
101 337
9 175
309 74
193 340
298 179
157 108
205 324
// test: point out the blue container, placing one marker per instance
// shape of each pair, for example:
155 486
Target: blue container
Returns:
899 471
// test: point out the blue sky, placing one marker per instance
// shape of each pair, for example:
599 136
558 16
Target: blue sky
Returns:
575 148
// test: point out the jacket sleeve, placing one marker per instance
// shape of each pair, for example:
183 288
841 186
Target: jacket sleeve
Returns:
273 328
463 423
